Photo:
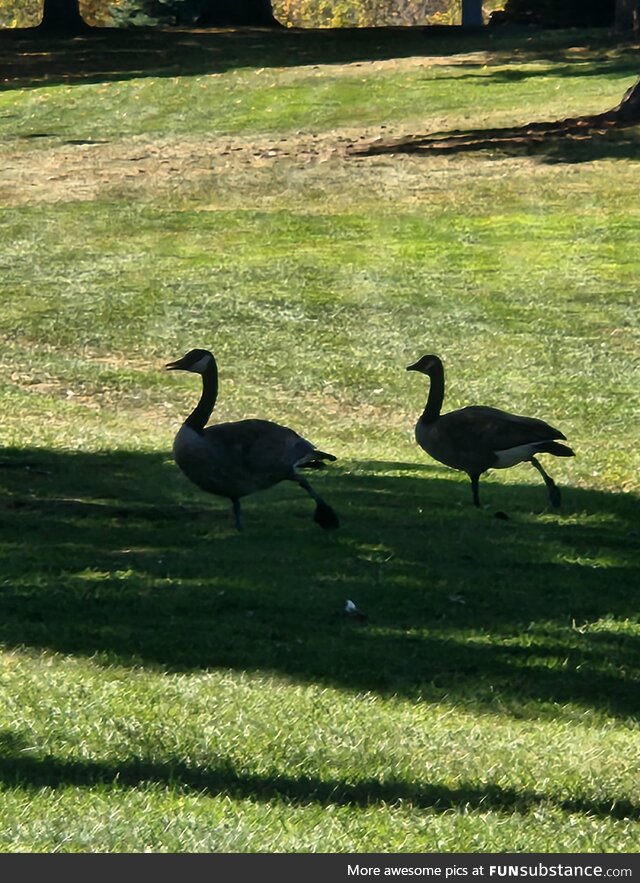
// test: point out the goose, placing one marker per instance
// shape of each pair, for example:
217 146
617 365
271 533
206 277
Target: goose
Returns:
235 459
478 438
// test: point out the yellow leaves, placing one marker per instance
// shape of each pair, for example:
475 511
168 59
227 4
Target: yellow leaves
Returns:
293 13
99 13
20 13
365 13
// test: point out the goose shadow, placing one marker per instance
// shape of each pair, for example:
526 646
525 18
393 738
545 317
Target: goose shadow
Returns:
115 556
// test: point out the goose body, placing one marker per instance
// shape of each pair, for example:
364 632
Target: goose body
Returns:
236 459
477 438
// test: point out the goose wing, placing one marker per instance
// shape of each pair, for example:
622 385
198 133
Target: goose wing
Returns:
476 434
490 429
259 447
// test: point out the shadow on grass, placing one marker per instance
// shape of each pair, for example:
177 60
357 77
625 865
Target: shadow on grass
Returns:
19 770
571 144
555 64
31 58
113 555
612 134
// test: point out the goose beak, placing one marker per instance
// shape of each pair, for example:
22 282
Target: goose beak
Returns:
173 366
413 367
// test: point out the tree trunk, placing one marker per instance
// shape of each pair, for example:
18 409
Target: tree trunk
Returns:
238 13
62 17
627 16
472 13
629 107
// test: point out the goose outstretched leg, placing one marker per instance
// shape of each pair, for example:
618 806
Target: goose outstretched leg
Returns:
552 487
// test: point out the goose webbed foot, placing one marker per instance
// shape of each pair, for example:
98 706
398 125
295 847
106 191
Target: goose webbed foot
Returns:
325 516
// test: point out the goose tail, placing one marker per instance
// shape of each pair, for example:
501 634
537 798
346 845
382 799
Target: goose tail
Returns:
555 448
322 455
315 460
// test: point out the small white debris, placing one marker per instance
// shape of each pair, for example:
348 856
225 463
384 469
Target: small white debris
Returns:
353 611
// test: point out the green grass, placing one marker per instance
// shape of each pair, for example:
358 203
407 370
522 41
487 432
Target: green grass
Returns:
169 685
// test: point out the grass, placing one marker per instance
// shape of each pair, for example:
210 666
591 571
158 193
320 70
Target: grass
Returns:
168 685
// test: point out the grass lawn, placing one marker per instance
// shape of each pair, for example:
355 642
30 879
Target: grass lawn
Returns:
170 685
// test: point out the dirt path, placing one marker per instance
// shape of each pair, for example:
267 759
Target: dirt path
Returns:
54 171
89 170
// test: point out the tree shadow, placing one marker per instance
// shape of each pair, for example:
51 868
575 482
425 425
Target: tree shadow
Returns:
45 771
113 554
572 140
33 59
556 63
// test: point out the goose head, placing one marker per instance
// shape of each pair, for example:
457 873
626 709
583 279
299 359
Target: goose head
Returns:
425 364
196 361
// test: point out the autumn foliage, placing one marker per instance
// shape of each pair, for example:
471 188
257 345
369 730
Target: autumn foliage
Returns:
291 13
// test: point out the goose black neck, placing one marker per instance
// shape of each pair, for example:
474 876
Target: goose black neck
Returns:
198 418
436 394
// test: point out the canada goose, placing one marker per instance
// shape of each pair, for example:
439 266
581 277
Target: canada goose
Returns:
478 438
235 459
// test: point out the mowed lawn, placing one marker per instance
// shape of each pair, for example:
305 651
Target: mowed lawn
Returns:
170 685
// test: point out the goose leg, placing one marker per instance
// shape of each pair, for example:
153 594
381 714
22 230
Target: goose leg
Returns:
552 487
324 514
475 488
236 512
